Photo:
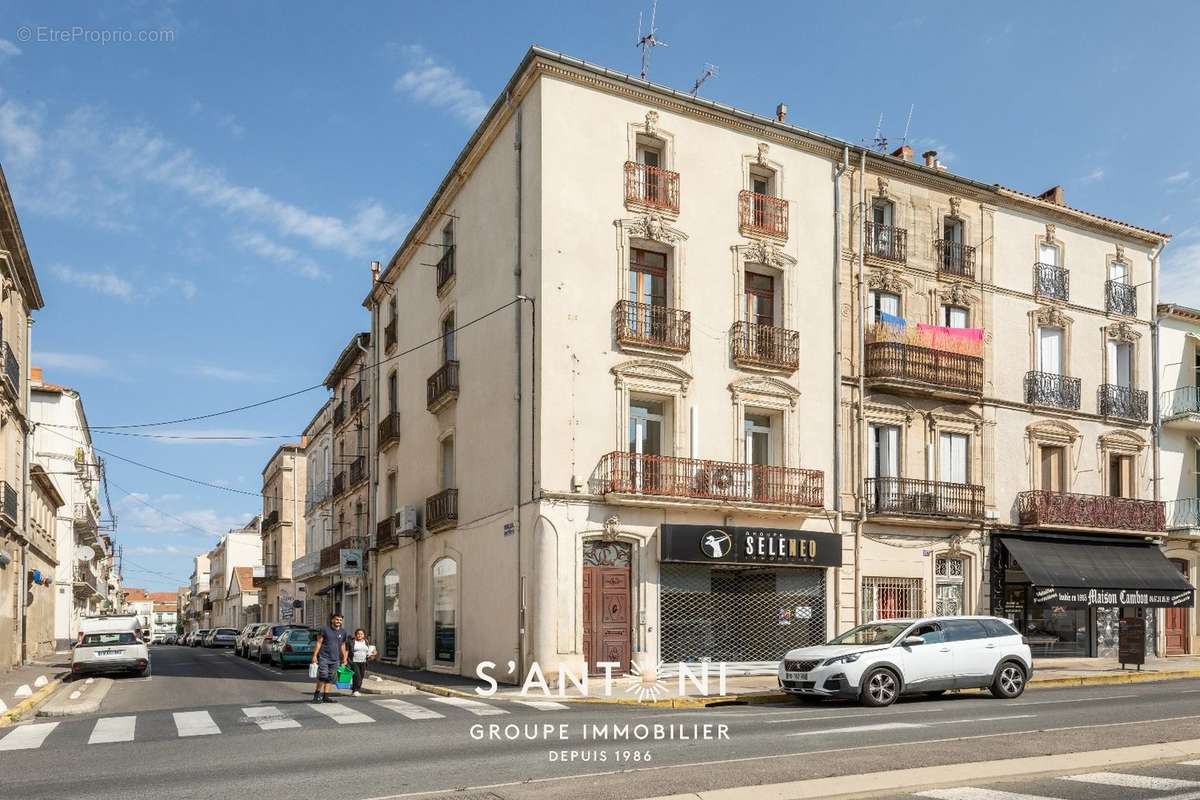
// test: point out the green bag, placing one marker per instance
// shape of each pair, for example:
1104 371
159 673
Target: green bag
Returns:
345 677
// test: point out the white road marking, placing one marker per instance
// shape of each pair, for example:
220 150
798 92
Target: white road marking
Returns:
1133 781
883 726
977 719
970 793
3 707
544 705
27 737
410 710
876 715
113 729
270 718
90 680
342 715
1189 763
41 681
75 695
195 723
474 706
23 691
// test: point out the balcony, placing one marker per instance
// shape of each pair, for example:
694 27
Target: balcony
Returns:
316 494
1183 514
625 473
955 258
1051 281
923 369
756 346
264 574
87 582
441 510
339 413
1181 407
445 268
386 534
8 505
911 497
339 484
640 325
331 556
306 565
1039 509
216 593
1120 298
85 518
358 470
389 430
270 520
762 214
12 371
389 335
1123 402
1052 390
206 606
442 386
651 187
886 242
356 395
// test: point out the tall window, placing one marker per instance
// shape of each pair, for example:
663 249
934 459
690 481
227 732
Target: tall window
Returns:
760 299
391 614
955 317
360 519
393 393
952 230
892 598
1120 363
1118 271
448 235
390 493
647 282
646 424
758 438
447 458
1050 350
949 575
953 452
649 153
1048 254
392 309
449 349
445 610
881 213
883 452
1053 464
882 303
1120 476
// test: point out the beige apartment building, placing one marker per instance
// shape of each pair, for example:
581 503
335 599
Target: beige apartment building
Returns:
318 516
239 548
44 505
283 531
726 387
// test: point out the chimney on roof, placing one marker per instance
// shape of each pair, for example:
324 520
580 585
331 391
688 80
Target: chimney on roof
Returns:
1053 195
781 112
903 151
374 272
930 157
35 374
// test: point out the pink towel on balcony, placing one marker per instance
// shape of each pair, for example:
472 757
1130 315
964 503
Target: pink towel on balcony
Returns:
968 341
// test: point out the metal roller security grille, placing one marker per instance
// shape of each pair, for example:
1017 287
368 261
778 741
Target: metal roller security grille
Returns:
735 615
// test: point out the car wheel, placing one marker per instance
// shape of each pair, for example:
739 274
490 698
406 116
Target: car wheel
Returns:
880 687
1009 682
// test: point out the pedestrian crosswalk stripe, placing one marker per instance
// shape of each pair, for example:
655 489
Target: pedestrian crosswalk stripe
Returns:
970 793
342 715
1133 781
195 723
410 710
27 737
270 718
544 705
1189 763
113 729
474 706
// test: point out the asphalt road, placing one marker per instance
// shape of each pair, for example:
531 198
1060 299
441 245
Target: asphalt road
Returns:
208 724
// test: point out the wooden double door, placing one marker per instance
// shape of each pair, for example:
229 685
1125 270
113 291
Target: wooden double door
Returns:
607 616
1175 622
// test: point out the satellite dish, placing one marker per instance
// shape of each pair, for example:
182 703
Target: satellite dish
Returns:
84 553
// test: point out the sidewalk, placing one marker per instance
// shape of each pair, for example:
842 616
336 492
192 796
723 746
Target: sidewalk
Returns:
1047 673
24 687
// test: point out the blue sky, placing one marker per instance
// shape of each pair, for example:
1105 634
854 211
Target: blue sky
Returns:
202 211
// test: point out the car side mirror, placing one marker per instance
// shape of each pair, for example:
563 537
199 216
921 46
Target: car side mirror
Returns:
913 641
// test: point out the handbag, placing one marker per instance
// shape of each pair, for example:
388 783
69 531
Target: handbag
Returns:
345 677
312 670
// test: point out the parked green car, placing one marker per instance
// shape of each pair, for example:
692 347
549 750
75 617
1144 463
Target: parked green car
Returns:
293 646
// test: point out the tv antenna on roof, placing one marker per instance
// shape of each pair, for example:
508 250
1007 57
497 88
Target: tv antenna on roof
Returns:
710 71
880 140
908 124
650 40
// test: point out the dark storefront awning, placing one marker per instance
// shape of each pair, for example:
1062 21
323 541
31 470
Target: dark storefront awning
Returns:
1098 574
333 587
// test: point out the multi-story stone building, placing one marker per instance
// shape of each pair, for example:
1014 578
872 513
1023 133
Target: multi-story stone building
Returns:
43 554
20 296
312 587
200 603
240 548
727 386
185 616
283 531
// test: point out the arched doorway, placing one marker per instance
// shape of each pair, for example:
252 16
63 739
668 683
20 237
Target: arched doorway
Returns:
607 570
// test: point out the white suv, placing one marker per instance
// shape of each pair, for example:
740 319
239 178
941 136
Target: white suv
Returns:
877 662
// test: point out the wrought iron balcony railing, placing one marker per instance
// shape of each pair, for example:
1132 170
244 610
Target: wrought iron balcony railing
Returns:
332 556
651 186
441 510
1052 389
339 484
385 533
12 371
941 369
887 242
389 335
358 470
762 213
389 429
270 520
357 394
1120 297
1180 402
1123 401
1065 509
445 267
306 565
1183 514
1051 281
85 517
339 413
317 493
669 476
755 345
955 258
919 498
653 326
8 504
442 385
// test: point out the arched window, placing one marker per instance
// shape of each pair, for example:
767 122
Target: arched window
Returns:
445 610
391 614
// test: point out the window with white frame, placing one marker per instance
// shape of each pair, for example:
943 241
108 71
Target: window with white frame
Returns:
955 316
1120 363
1050 349
881 302
892 598
953 458
949 575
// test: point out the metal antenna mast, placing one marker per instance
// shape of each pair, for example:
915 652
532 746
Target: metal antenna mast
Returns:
880 139
908 124
710 71
650 40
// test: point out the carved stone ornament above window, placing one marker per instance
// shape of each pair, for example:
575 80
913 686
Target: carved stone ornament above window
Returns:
1049 231
763 252
1053 432
887 280
882 183
763 147
1120 252
644 371
764 389
652 227
612 526
1126 441
651 122
1052 317
1123 332
958 294
955 204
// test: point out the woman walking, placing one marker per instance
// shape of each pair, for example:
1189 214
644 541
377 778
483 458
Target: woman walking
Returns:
361 651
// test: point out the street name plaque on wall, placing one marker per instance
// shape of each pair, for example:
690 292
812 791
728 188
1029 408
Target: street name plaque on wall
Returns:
718 544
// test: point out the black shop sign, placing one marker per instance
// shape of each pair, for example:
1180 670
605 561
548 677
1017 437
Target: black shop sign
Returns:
1150 598
712 544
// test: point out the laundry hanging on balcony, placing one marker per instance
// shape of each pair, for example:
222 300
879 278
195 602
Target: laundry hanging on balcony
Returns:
967 341
891 319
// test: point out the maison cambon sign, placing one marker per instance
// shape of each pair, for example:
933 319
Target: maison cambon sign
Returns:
712 544
1152 598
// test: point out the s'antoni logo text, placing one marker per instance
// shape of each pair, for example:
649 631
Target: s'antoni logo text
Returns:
716 544
647 685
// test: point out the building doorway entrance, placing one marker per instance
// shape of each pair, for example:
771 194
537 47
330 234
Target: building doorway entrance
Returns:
1175 622
607 635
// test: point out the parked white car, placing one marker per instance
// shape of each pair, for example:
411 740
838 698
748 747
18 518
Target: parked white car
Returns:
110 644
878 662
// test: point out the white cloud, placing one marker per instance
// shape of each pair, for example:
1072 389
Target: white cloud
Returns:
138 516
8 50
426 81
102 282
225 374
71 362
268 248
1095 175
185 288
20 131
1181 275
945 153
1178 177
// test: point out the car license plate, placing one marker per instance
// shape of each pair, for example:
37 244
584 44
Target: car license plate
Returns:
109 653
795 676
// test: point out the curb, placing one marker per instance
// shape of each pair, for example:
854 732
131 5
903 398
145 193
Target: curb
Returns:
775 696
63 706
30 704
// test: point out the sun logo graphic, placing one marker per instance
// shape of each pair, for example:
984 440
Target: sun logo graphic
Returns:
647 689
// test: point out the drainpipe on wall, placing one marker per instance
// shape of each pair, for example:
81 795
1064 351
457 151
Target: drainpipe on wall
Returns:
27 433
837 366
364 595
860 426
518 343
1156 418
